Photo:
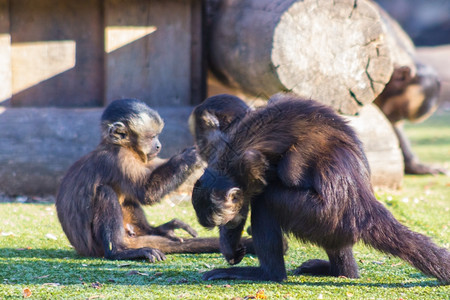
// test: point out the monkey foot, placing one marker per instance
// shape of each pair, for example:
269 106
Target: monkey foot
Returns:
423 169
314 267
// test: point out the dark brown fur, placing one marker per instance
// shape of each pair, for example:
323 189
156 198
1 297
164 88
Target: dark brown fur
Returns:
301 170
99 200
214 117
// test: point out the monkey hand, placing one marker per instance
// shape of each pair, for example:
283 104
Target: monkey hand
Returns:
191 157
235 257
153 254
167 230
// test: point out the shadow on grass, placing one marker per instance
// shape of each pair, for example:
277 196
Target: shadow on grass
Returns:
65 267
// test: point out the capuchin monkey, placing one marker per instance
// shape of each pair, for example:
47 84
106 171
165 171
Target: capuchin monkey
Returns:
412 98
99 200
301 169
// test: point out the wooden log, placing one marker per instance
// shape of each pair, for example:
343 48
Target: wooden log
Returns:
339 52
38 145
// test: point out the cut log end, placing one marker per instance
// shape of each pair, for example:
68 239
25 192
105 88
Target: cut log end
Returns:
339 52
329 51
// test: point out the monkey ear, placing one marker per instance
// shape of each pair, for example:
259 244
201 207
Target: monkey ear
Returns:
117 131
210 120
402 75
253 166
234 195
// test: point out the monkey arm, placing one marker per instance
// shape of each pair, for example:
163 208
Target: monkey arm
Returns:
230 241
268 239
170 175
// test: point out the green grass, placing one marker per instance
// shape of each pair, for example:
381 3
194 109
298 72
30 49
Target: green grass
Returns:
35 254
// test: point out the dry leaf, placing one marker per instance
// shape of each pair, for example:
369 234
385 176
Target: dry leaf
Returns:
26 293
260 295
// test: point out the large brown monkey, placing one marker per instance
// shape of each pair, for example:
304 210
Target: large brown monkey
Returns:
412 98
302 170
99 200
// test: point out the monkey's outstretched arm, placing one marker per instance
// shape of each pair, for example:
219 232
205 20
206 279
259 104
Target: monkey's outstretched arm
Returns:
169 176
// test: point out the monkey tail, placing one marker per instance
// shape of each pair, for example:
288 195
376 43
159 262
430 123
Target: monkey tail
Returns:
388 235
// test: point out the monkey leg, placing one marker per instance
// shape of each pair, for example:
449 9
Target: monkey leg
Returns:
109 232
411 161
342 263
268 243
136 224
134 220
167 229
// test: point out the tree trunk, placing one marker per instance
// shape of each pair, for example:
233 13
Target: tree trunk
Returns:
339 52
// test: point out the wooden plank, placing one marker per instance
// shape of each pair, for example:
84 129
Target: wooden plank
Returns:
198 52
38 145
57 53
154 67
5 54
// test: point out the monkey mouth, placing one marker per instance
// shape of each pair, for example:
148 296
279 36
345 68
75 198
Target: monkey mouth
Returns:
151 156
233 222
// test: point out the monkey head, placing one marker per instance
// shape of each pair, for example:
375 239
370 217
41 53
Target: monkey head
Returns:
220 200
130 123
410 97
217 200
215 115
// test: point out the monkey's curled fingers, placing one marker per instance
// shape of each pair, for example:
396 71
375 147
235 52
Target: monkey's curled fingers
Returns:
238 255
154 255
190 157
167 229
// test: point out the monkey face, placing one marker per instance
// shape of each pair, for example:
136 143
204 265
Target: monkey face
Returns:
217 200
150 145
146 131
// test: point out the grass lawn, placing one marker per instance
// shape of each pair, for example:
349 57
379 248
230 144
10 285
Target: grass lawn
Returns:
36 257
